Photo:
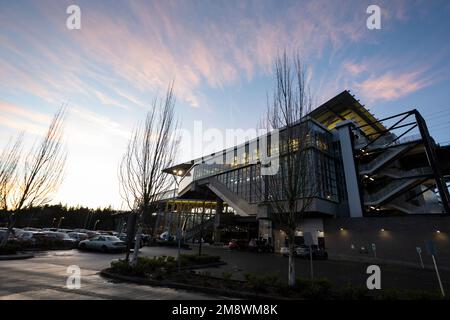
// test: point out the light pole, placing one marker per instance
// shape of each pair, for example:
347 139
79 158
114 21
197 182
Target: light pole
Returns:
60 220
95 224
53 222
175 174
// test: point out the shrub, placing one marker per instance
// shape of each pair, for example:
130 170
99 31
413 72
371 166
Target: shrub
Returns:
389 294
9 249
193 259
351 292
227 276
145 266
422 295
261 282
318 289
121 266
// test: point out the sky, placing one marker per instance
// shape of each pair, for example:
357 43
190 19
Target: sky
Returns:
220 55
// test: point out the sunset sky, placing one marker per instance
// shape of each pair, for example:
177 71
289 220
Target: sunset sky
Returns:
220 55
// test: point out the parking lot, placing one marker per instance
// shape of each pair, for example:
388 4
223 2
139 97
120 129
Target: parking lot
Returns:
45 275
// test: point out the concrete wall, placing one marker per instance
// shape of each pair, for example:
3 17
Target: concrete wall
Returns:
398 241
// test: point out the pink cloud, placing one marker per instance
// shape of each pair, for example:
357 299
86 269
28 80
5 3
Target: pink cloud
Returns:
391 86
23 119
354 68
157 42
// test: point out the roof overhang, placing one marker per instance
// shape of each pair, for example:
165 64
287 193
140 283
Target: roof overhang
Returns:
343 107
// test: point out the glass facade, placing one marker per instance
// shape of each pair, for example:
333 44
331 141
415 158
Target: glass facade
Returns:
239 170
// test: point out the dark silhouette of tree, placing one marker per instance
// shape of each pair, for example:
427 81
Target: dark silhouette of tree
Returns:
151 149
40 174
290 192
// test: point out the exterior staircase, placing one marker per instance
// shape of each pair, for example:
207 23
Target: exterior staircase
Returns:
402 174
386 156
389 191
242 207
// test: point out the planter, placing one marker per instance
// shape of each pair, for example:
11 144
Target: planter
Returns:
17 256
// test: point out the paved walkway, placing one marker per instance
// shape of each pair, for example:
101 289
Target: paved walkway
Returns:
38 279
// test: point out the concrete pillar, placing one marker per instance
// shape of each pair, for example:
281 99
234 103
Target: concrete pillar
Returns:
217 218
350 171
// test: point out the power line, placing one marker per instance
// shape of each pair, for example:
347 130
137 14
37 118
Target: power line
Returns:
438 111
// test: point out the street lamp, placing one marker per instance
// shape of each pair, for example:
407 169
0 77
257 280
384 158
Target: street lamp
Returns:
60 220
175 174
95 224
53 222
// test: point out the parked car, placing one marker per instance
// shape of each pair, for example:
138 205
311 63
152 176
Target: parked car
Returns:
78 236
261 246
303 251
146 239
3 234
123 237
103 243
32 237
284 251
80 230
166 236
50 229
31 229
17 232
236 244
62 236
64 230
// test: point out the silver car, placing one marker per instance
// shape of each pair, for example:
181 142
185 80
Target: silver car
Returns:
103 243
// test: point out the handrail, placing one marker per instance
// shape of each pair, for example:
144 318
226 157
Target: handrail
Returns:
387 190
380 159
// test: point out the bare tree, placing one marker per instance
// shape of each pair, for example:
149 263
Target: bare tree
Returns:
290 192
40 174
151 149
9 160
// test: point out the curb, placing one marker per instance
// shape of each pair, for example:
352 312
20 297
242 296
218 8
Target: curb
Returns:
175 285
16 256
204 266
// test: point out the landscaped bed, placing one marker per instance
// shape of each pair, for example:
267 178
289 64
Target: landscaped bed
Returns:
163 271
13 252
8 249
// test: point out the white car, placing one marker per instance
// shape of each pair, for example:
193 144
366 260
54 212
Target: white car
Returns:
284 251
103 243
78 236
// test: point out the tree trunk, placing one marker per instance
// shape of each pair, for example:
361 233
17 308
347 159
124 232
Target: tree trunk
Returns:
291 276
131 227
137 246
9 230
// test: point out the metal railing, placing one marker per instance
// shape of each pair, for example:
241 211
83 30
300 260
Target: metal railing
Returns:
387 154
387 190
397 173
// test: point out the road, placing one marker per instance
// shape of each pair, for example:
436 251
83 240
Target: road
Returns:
44 276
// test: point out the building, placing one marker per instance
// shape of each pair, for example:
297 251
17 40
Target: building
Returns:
366 169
